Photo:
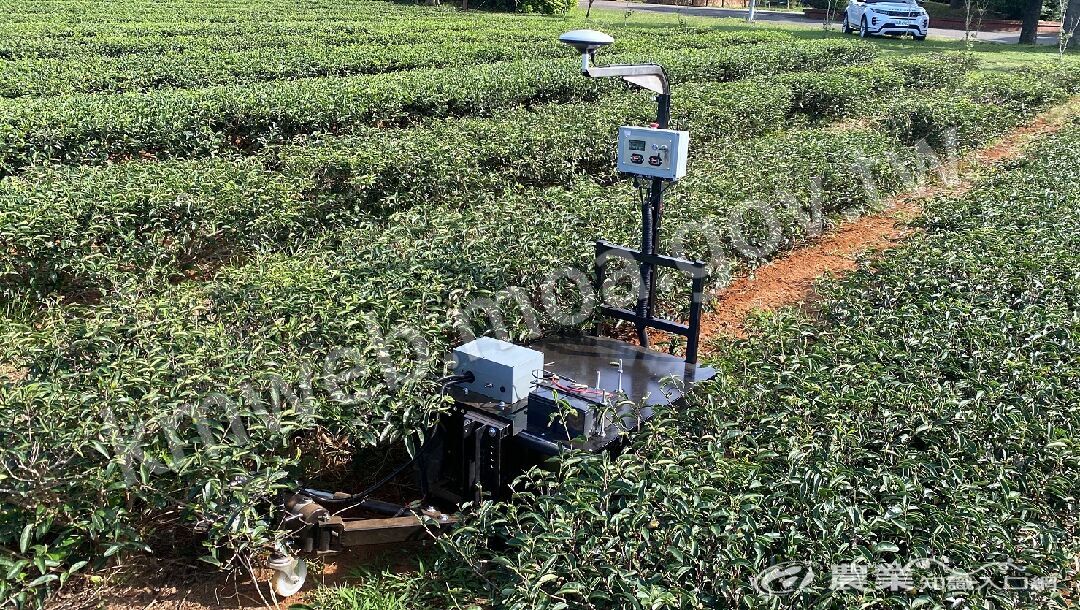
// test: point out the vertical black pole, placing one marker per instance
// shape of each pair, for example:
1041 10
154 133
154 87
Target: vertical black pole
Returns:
656 202
600 269
645 271
697 296
663 110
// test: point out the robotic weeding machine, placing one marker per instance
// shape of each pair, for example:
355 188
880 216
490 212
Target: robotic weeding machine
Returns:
517 405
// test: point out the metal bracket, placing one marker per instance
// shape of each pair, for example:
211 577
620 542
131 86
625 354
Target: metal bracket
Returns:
698 273
646 76
482 440
320 531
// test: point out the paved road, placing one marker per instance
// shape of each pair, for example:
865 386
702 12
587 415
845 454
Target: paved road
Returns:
794 18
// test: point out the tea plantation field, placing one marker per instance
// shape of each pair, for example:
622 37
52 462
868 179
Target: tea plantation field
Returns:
230 229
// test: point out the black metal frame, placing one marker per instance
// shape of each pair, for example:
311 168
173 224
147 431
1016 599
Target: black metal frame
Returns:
644 314
644 317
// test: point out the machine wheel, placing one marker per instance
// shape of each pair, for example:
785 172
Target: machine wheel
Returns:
288 580
864 29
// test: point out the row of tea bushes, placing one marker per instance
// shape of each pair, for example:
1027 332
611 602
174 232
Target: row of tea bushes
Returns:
130 15
85 229
992 104
388 47
858 89
98 128
190 70
117 40
27 40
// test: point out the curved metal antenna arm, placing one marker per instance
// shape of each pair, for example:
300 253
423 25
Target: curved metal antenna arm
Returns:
657 83
646 76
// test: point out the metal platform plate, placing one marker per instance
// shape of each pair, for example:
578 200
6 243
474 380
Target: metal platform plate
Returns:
642 374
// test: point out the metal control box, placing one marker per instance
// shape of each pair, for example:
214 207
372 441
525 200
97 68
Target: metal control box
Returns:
502 371
656 153
562 416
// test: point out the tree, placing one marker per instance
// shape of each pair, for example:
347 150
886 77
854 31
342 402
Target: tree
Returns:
1069 24
1029 31
974 11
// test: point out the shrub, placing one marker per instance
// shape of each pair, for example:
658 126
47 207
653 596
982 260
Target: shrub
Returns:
934 70
842 92
1021 93
546 7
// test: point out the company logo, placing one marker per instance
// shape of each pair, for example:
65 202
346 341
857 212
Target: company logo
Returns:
784 578
925 575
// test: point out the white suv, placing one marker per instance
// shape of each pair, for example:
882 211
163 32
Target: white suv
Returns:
897 17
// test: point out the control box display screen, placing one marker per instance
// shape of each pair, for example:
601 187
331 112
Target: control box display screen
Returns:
637 144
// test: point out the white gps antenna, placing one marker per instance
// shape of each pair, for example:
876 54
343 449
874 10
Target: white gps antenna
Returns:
646 76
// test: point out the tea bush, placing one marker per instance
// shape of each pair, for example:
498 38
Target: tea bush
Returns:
853 90
921 118
1022 92
992 103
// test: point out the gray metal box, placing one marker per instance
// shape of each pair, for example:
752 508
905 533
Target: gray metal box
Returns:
658 153
503 371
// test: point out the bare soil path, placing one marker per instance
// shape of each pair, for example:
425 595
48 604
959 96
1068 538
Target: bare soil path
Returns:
789 280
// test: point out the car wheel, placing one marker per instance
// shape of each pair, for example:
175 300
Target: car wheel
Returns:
864 29
920 38
846 27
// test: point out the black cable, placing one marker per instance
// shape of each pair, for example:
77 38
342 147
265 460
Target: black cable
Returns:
451 380
327 497
467 377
